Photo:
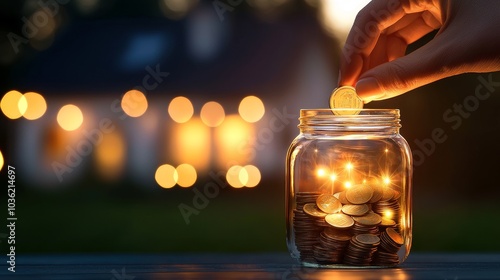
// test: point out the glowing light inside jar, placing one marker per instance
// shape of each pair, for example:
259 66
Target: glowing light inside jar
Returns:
388 214
349 166
349 170
321 172
333 177
387 180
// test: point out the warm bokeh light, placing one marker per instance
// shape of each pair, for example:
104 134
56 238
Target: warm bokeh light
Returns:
212 114
387 180
180 109
249 176
186 175
347 184
70 117
191 143
134 103
243 176
337 16
233 176
233 141
10 105
320 172
246 176
166 176
1 160
251 109
110 155
22 105
35 105
333 177
349 166
388 214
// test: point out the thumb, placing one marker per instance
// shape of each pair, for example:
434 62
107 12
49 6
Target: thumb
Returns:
423 66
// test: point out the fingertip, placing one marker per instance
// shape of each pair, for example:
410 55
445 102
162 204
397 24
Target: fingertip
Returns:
368 89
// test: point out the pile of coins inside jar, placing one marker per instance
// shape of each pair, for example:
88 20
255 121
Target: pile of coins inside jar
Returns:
358 227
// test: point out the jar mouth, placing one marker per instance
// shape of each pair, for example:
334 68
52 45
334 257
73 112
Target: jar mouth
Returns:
349 119
345 112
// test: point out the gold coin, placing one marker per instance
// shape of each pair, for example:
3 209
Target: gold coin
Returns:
387 222
388 194
328 203
355 210
341 197
312 210
359 194
396 237
370 219
339 220
345 98
368 239
377 194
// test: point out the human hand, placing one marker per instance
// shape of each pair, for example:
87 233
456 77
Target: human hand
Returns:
374 59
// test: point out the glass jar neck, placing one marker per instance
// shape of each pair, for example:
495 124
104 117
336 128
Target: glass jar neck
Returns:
326 121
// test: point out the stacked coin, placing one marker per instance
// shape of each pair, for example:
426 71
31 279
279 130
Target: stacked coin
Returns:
316 214
302 198
305 229
367 224
388 203
387 223
361 248
387 253
332 246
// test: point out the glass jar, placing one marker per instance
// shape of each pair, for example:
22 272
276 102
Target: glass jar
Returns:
348 189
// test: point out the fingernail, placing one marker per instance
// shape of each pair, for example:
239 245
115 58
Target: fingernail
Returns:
369 89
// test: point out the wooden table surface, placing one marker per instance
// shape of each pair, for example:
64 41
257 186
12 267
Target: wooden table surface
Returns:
242 266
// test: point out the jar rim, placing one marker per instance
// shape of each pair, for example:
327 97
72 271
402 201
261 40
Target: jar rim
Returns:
349 120
323 111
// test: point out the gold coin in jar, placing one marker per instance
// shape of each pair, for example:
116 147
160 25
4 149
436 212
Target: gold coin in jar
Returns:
328 203
339 220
